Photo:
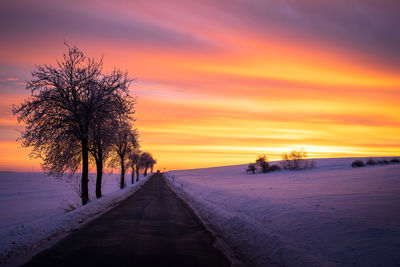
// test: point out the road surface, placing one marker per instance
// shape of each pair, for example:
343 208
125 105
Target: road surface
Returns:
153 227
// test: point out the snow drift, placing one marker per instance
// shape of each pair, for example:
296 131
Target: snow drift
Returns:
331 215
33 212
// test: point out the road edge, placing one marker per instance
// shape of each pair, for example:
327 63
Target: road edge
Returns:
51 240
219 243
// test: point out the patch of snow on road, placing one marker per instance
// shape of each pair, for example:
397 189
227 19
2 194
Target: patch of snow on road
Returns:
332 215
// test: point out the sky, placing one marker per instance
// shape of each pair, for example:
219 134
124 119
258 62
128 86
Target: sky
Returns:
221 82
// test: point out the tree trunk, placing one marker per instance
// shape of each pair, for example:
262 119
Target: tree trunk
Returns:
133 175
145 171
99 167
122 183
85 172
152 167
137 173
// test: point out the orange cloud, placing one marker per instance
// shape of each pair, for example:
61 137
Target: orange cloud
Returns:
212 91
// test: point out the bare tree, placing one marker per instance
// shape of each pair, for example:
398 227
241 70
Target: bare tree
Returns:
134 156
122 144
153 162
262 161
133 162
56 159
59 113
251 168
66 111
113 101
146 159
294 160
140 164
131 165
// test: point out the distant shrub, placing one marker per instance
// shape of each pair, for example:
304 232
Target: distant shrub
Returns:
381 162
296 160
274 168
395 160
262 161
251 168
357 163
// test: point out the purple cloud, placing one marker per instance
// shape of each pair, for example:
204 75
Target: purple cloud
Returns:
366 26
30 20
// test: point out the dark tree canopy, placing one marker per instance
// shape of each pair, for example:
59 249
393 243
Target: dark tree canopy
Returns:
262 161
113 102
68 104
124 141
147 161
251 168
153 162
294 160
134 162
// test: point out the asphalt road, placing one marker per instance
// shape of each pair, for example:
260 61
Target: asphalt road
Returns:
153 227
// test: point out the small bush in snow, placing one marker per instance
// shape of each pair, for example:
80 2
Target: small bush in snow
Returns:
296 160
262 161
395 160
274 168
357 163
251 168
371 162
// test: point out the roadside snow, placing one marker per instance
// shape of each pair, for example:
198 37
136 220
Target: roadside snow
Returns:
32 209
332 215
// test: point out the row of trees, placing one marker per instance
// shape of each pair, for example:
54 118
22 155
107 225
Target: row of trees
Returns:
371 162
126 155
77 113
294 160
263 164
138 160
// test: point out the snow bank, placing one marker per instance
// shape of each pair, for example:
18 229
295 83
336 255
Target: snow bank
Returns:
332 215
32 209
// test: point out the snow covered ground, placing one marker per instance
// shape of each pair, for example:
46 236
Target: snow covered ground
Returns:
332 215
32 209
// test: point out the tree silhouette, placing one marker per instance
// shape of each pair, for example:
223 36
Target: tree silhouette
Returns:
114 102
251 168
153 162
262 161
146 160
60 108
294 160
124 138
134 162
65 103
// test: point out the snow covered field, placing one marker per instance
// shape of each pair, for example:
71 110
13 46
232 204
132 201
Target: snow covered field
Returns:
32 208
332 215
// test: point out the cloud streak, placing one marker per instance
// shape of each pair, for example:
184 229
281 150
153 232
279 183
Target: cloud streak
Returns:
220 82
29 21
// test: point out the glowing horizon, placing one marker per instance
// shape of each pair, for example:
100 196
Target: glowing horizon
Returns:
220 83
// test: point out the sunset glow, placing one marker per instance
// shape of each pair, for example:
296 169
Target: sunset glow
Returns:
220 82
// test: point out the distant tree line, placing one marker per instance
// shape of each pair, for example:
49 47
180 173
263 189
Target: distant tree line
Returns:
294 160
371 162
78 114
262 164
